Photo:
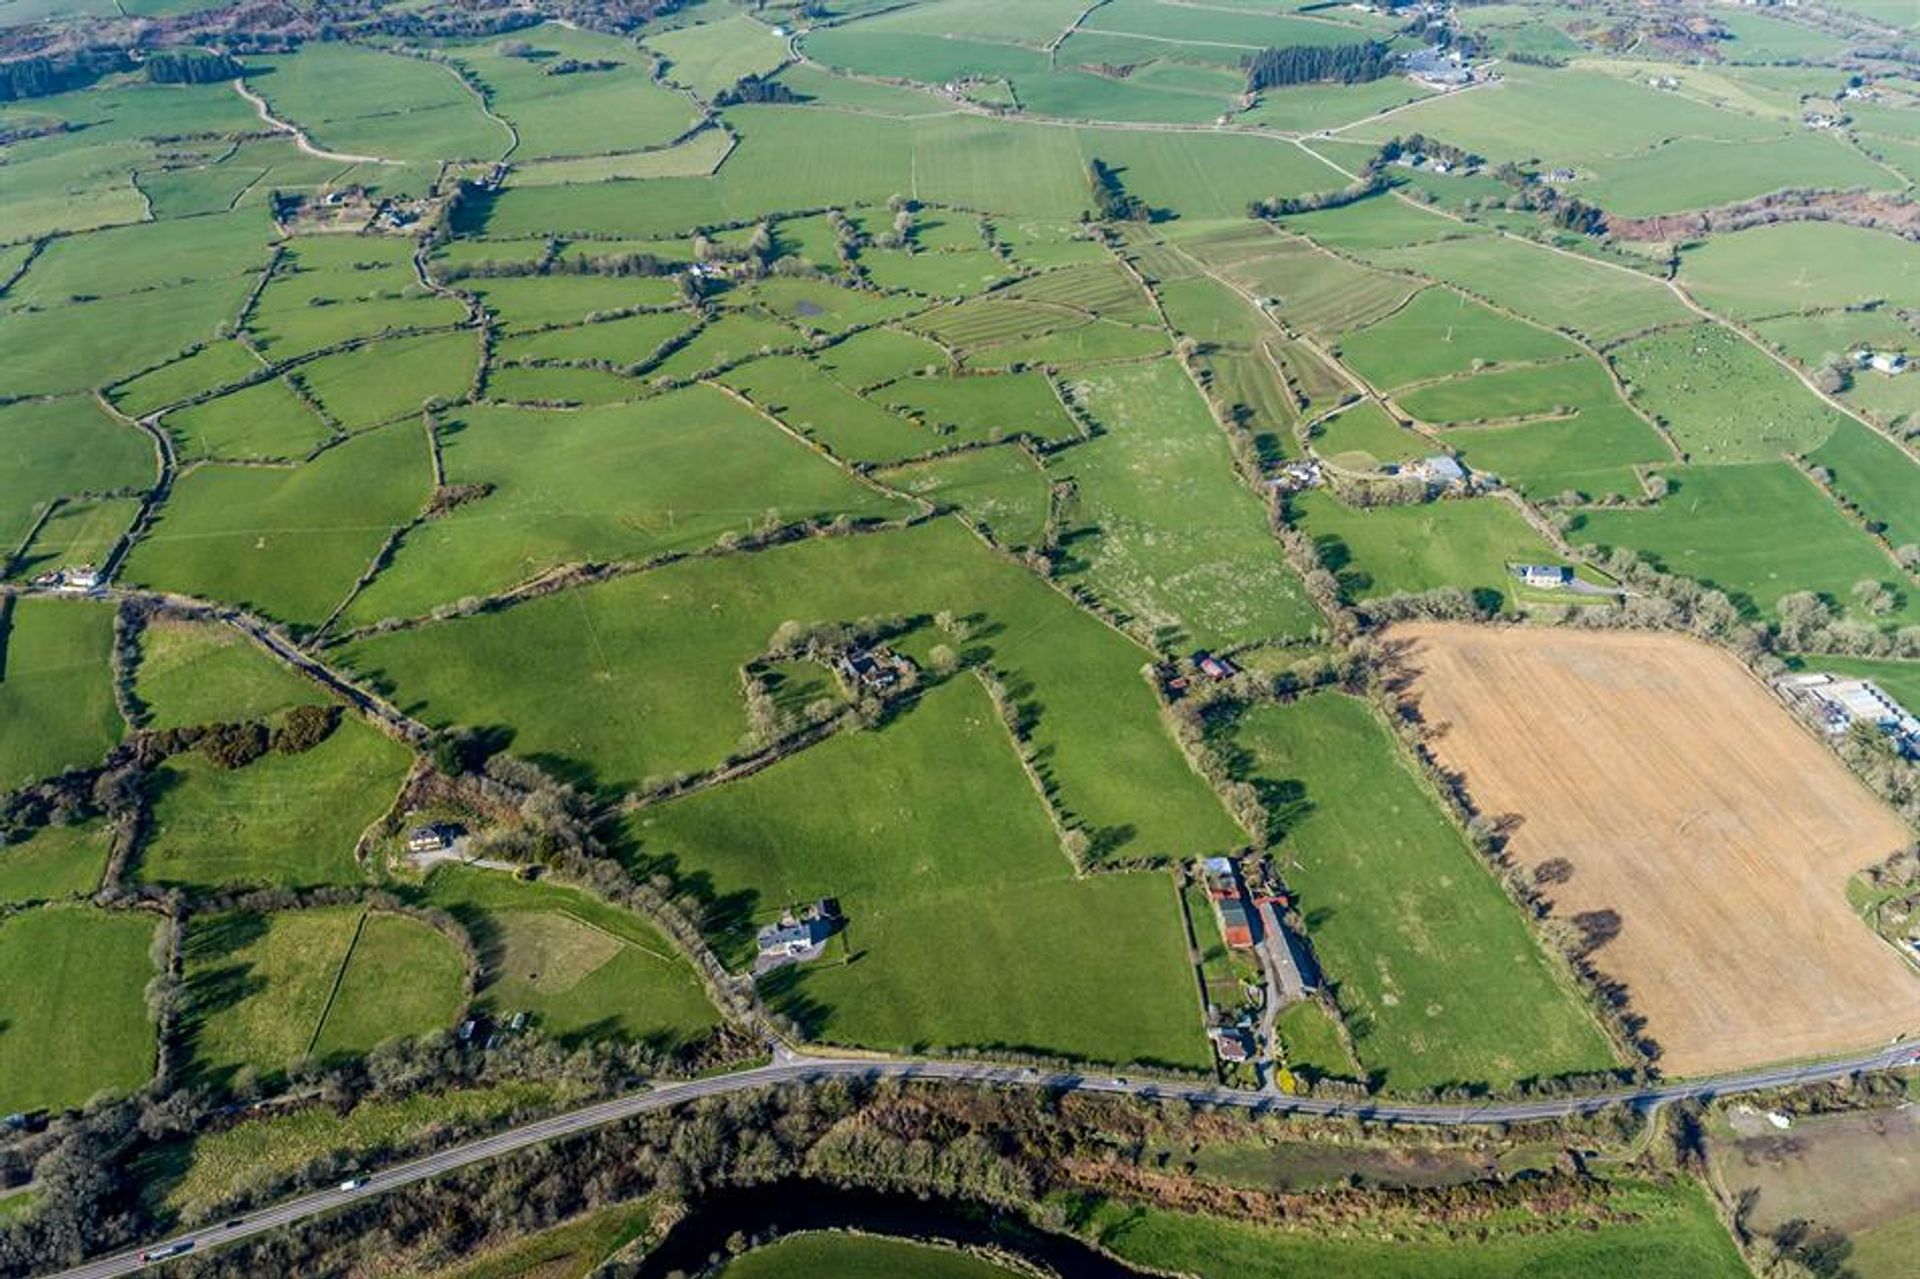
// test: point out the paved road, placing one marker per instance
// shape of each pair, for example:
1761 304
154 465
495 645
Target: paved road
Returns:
790 1068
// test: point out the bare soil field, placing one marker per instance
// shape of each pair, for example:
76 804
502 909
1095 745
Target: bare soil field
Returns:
1664 784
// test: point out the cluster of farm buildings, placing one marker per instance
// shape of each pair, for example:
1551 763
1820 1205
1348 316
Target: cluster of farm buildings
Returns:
1837 703
1250 920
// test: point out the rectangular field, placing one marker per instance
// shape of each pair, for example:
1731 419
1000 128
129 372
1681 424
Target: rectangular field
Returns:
1696 824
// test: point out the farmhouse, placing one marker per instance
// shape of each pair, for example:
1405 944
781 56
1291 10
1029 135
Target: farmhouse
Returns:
1231 1043
798 936
432 838
872 670
1545 577
1892 363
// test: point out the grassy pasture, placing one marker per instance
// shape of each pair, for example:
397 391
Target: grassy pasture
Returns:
56 687
378 384
820 408
1385 550
1877 475
402 108
618 108
289 541
935 845
530 384
981 407
256 986
63 448
214 365
852 1256
947 273
1757 531
55 862
75 1013
1583 115
402 978
654 687
819 305
1795 266
696 157
1691 173
626 342
150 255
284 820
87 344
1205 309
1600 302
1594 453
582 968
627 481
1320 293
1639 1231
1723 400
1439 334
267 420
1377 222
880 355
1521 391
734 337
1002 489
80 531
710 56
523 303
201 673
1161 528
1093 342
1363 437
1433 967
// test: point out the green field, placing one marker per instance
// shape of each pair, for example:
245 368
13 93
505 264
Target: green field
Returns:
1432 966
1637 1230
257 986
1165 532
1723 400
1756 532
56 687
1388 550
1772 270
1364 438
55 862
934 844
285 820
401 979
75 1015
1439 333
200 673
592 692
628 481
61 449
1001 489
288 541
579 967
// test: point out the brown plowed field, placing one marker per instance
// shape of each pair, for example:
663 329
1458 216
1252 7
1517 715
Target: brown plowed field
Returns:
1689 802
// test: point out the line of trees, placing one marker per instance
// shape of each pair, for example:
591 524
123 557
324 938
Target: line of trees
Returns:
1318 64
190 66
49 73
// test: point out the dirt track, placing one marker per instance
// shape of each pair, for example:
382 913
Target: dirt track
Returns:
1688 801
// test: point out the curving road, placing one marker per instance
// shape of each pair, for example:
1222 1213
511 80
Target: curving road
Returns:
789 1068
